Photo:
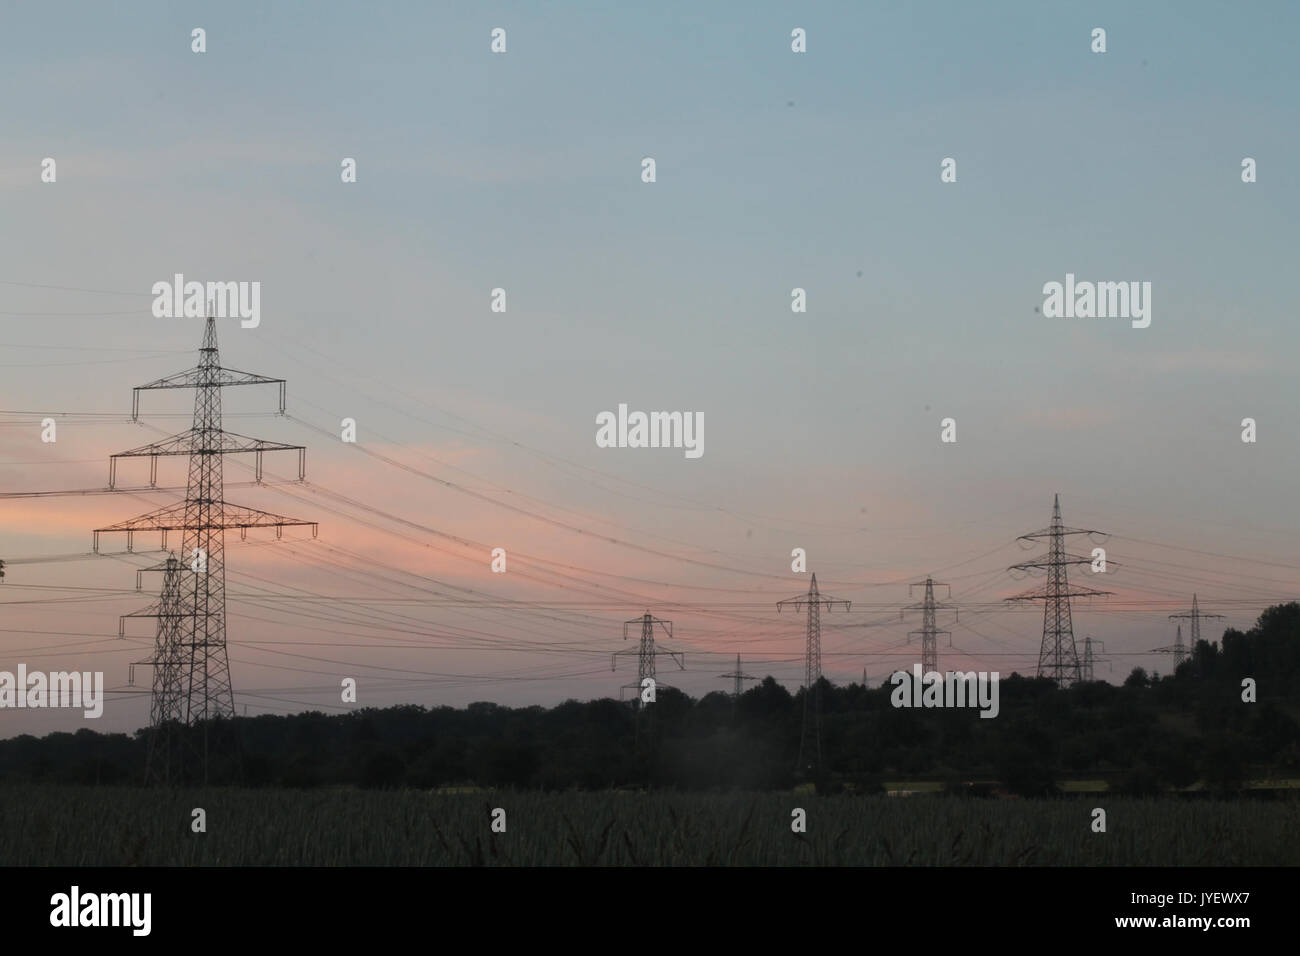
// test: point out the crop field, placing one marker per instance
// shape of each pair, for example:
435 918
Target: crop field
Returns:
104 826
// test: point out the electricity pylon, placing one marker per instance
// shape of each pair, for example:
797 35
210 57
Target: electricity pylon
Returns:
928 633
198 688
1177 648
1058 657
1089 660
810 736
646 652
739 677
1194 615
169 742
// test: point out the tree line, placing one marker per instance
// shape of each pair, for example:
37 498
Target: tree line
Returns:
1148 735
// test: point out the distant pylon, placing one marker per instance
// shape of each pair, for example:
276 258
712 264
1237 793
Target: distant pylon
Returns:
1180 649
928 633
199 689
646 651
1058 657
810 736
739 677
1194 615
1089 661
166 755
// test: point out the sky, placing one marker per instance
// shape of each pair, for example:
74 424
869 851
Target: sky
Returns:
522 170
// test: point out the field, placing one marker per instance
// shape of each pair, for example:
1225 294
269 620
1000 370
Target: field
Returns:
72 826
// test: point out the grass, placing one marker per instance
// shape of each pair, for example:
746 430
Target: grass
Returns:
79 826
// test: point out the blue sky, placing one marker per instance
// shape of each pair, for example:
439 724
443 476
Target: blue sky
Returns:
775 170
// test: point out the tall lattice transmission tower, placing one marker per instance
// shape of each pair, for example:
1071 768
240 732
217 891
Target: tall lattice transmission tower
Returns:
810 735
192 681
1058 657
1195 615
929 632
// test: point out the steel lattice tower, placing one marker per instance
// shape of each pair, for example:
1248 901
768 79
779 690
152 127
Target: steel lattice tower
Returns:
1194 615
169 659
1089 660
195 684
1179 648
168 739
739 677
1058 657
646 650
810 736
929 632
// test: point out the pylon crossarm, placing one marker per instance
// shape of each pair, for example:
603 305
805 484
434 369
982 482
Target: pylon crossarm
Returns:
1038 594
186 442
223 515
1048 560
151 611
200 376
1048 532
